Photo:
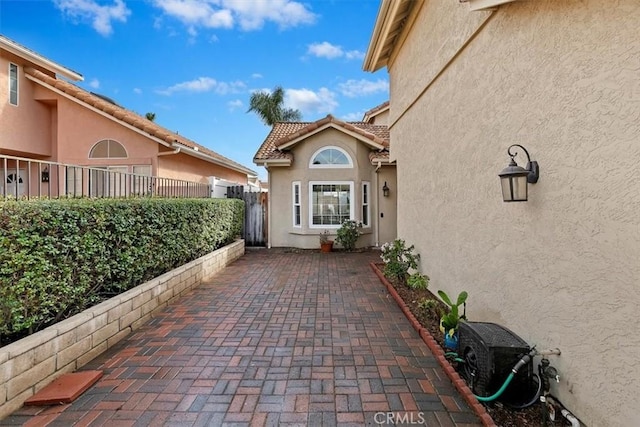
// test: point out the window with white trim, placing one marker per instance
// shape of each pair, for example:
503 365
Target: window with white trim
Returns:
13 84
366 212
297 207
330 157
330 203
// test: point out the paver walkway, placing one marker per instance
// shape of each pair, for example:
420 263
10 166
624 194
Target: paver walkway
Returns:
277 338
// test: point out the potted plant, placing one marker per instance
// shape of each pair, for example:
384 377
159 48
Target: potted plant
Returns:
326 244
449 321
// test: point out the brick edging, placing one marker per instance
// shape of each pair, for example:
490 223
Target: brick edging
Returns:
437 351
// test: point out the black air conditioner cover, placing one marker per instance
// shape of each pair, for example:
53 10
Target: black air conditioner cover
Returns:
489 352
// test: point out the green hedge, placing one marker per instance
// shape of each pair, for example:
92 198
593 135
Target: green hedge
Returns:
58 257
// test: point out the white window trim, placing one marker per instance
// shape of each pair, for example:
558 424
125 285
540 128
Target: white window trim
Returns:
328 147
366 184
351 203
11 64
294 204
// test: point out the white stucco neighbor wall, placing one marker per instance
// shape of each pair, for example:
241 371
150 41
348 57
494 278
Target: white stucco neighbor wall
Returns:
562 270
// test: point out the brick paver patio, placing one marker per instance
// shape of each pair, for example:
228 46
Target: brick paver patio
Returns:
277 338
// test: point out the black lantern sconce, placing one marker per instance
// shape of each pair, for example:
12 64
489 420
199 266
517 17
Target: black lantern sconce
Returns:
515 179
385 190
45 175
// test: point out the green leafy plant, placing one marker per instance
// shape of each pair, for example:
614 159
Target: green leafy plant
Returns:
399 259
449 321
57 257
348 234
418 281
428 304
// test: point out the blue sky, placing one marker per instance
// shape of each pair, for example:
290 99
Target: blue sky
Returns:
195 63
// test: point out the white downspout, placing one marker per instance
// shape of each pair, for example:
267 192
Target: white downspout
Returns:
377 193
169 153
269 211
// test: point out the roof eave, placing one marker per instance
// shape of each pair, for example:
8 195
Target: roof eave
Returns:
272 162
485 4
332 125
203 156
39 60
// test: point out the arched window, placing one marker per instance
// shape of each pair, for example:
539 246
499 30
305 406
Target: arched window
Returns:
331 157
108 149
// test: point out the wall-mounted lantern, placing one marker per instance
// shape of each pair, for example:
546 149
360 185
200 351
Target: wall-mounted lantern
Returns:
385 190
45 175
515 179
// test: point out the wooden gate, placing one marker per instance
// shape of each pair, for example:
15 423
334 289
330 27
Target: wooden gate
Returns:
254 231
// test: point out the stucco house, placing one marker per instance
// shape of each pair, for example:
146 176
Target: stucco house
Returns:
43 116
325 172
561 78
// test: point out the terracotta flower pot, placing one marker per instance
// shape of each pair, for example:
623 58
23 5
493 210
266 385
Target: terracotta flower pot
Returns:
326 247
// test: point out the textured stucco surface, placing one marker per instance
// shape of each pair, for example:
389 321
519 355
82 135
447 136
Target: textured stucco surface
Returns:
18 120
281 231
563 269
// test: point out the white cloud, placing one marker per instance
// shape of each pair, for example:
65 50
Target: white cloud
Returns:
354 54
256 76
99 15
235 104
325 50
137 91
248 15
309 102
356 88
205 84
94 83
330 51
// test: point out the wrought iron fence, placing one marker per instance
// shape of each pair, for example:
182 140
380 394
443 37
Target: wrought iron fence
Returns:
23 178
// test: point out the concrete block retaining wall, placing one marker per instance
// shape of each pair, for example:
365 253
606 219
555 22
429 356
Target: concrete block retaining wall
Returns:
28 365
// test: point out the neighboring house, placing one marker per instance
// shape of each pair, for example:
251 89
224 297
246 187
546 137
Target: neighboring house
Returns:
561 78
44 117
325 172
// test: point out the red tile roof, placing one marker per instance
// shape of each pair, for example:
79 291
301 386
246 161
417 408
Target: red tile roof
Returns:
374 111
153 130
283 135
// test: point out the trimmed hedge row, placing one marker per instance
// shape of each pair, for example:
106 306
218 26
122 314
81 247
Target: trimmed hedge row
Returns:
58 257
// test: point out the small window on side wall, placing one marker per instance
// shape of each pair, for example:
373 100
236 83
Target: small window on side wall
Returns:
366 212
297 206
13 84
331 157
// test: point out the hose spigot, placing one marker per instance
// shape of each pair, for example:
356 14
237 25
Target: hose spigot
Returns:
549 371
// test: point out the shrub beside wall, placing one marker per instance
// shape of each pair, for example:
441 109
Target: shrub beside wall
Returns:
58 257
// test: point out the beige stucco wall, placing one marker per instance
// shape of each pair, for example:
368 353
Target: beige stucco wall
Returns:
563 269
282 233
387 206
18 135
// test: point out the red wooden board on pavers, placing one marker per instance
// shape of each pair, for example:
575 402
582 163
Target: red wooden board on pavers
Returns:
64 389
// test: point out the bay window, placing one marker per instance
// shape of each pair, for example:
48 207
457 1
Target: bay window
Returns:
331 203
